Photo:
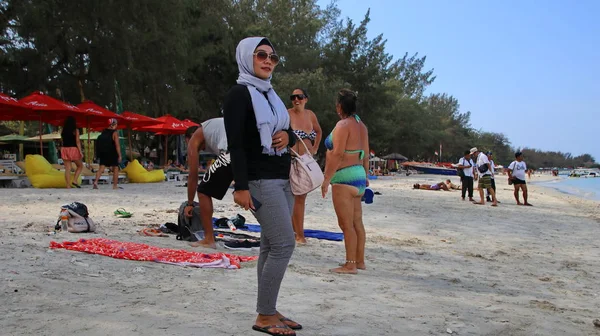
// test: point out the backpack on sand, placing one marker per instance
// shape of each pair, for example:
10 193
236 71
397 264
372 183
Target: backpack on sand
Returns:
78 218
188 226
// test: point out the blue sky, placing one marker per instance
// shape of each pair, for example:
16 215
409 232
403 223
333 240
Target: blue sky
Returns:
529 69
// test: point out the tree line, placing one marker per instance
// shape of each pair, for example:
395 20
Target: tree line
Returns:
178 57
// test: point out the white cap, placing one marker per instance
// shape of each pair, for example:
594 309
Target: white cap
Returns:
473 150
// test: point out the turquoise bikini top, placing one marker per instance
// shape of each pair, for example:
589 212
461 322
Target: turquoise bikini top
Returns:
329 142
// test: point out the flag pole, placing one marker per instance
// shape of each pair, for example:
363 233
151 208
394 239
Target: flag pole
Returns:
130 150
40 130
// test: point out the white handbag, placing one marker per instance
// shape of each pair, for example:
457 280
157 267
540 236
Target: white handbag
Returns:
305 173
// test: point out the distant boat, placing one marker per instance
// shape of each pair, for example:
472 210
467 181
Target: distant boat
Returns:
584 172
430 168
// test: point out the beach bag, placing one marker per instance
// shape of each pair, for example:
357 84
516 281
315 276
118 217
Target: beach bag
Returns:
305 173
483 169
78 208
188 226
78 218
80 224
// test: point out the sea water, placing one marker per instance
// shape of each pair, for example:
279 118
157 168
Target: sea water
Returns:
588 188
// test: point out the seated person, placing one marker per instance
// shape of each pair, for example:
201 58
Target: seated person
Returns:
182 168
436 186
150 166
170 166
452 186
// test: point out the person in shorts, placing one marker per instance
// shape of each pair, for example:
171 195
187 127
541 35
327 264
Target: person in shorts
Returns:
435 187
109 152
211 137
488 196
70 151
485 177
516 177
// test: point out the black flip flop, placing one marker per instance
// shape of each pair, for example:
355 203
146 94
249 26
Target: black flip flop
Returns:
266 329
76 185
297 327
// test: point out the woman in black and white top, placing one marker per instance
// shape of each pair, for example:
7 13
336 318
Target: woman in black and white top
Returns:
258 135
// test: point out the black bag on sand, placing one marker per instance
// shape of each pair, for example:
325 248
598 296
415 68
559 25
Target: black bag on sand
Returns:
238 221
187 226
79 208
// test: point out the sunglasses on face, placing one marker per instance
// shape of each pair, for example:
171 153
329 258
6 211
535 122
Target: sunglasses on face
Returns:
263 55
297 96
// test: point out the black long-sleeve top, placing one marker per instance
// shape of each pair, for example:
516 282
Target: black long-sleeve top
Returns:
247 160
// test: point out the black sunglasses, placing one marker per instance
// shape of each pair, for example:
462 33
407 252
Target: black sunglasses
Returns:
297 96
263 55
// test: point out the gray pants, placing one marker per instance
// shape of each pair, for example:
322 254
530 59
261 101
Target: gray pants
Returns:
277 240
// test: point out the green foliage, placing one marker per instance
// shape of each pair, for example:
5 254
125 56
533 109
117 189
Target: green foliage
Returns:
178 57
542 159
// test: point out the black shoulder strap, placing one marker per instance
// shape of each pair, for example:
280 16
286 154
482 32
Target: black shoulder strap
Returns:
88 224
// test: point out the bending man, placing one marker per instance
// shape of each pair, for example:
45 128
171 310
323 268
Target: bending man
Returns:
211 137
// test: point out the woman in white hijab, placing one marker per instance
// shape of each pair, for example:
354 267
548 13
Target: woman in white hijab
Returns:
258 136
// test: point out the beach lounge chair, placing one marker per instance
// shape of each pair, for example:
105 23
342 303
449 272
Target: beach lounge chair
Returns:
41 174
90 174
136 173
11 175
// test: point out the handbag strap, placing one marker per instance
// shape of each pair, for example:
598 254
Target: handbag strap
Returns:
302 141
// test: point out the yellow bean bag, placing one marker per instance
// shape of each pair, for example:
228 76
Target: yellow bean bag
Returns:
42 175
136 173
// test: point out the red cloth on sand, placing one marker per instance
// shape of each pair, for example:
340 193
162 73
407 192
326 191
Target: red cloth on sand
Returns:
142 252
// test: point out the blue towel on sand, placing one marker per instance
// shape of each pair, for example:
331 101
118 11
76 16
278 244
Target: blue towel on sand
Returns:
318 234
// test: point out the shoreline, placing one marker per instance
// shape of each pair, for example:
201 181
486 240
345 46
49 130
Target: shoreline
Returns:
576 191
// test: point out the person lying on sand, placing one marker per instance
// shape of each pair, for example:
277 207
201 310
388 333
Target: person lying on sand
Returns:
437 186
452 186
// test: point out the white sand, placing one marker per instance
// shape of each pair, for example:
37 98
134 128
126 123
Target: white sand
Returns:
434 263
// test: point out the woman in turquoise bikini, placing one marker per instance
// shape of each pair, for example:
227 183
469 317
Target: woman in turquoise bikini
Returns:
346 170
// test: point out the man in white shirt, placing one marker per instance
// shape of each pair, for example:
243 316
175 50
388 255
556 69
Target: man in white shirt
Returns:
211 137
485 177
466 165
516 177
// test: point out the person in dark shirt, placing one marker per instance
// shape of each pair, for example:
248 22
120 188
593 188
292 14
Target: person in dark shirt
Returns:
71 151
109 152
258 134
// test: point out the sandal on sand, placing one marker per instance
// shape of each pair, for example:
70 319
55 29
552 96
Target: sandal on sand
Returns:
297 326
266 329
76 185
152 233
122 213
